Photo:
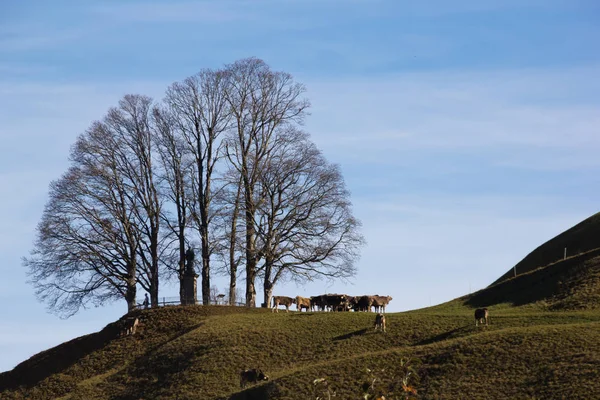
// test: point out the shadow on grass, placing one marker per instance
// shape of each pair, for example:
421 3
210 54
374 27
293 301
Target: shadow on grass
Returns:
351 334
260 392
57 359
446 335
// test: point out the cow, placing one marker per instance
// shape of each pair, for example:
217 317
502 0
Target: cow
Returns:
380 322
379 302
252 376
282 300
352 301
336 302
318 303
363 303
130 326
302 302
481 315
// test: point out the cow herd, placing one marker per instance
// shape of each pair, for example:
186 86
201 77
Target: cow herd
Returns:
332 302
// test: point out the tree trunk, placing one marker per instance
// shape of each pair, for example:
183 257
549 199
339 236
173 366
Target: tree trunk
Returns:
181 221
250 288
250 253
131 289
181 271
232 290
154 263
205 267
268 286
154 287
233 266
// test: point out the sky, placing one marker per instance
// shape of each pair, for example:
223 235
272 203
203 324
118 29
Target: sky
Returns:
467 131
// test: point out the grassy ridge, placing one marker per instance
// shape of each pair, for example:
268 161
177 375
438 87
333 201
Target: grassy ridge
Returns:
583 237
572 284
197 353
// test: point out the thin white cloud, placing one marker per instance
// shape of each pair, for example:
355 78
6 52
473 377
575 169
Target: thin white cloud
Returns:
32 35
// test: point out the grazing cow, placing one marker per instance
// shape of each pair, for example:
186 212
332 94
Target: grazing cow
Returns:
380 322
282 300
363 303
130 326
252 376
302 302
481 315
379 302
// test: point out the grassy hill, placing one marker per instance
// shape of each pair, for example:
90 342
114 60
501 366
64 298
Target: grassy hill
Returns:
543 343
197 352
571 284
583 237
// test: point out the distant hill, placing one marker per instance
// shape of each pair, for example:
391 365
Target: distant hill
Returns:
583 237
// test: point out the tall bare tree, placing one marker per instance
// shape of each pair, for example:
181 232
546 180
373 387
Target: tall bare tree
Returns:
230 250
305 226
86 249
176 168
200 109
260 101
130 123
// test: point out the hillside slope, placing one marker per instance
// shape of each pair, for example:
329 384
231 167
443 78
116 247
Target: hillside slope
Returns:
571 284
583 237
197 353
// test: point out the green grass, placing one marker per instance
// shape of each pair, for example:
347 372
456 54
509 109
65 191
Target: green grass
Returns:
198 352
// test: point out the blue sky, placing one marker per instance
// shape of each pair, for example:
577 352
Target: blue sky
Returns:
467 131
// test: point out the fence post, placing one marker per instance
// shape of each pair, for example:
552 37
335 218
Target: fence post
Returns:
565 256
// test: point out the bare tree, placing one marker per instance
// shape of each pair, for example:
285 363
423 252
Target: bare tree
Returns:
260 101
144 175
99 236
199 107
229 250
305 226
87 246
175 184
130 123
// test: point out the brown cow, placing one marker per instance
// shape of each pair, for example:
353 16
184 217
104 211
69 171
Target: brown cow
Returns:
302 302
130 326
380 322
364 303
252 376
379 302
481 314
282 300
